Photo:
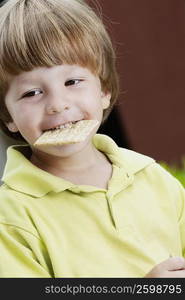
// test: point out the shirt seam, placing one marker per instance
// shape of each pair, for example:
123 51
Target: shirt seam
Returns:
19 227
26 230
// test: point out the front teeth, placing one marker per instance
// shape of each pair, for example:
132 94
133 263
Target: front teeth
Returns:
67 125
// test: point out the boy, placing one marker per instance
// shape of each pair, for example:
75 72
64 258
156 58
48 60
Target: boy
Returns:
83 209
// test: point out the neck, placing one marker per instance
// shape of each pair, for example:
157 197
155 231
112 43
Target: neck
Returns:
82 161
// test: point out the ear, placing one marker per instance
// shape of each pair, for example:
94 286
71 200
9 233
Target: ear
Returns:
105 98
12 126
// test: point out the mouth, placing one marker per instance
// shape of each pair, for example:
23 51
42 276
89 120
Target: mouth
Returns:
62 126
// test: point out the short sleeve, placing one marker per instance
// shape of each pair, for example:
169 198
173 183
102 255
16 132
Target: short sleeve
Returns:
181 208
178 196
22 254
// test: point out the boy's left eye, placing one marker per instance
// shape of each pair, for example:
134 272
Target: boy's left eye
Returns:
72 82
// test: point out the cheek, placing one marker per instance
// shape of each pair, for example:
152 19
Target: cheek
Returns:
92 106
26 115
93 109
93 98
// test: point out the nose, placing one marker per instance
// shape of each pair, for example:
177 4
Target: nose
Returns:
56 106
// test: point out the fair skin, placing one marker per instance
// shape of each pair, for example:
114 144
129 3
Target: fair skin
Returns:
48 97
173 267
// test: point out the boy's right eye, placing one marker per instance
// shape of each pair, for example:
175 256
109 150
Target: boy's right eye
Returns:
31 93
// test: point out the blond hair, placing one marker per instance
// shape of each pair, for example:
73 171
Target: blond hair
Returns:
36 33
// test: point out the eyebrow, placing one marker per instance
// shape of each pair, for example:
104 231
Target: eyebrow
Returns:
33 78
26 80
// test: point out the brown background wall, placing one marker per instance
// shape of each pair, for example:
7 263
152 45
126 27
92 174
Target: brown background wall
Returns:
150 39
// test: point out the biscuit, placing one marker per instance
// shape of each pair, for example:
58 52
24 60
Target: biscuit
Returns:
68 134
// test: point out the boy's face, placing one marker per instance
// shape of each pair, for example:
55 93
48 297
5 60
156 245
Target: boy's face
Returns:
47 97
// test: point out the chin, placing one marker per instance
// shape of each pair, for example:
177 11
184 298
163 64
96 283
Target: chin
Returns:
63 151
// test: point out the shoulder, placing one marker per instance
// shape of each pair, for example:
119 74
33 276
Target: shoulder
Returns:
14 210
135 161
166 182
150 171
151 176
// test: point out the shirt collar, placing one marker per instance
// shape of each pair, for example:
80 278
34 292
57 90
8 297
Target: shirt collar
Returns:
21 175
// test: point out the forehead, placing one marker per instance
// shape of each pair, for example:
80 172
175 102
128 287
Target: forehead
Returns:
51 72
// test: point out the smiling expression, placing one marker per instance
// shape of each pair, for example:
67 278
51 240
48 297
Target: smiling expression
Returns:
45 98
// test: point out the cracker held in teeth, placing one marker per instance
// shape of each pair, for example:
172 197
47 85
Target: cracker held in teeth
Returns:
67 134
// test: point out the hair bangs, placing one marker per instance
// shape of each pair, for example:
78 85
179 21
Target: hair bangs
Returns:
45 33
46 38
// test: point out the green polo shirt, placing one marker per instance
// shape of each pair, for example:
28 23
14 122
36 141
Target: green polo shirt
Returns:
50 227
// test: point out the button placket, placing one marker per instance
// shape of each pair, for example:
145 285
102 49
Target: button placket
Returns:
121 182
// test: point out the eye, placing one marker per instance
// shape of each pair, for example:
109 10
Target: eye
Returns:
32 93
72 82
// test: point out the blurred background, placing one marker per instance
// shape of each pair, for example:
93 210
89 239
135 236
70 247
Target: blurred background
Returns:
149 37
150 40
